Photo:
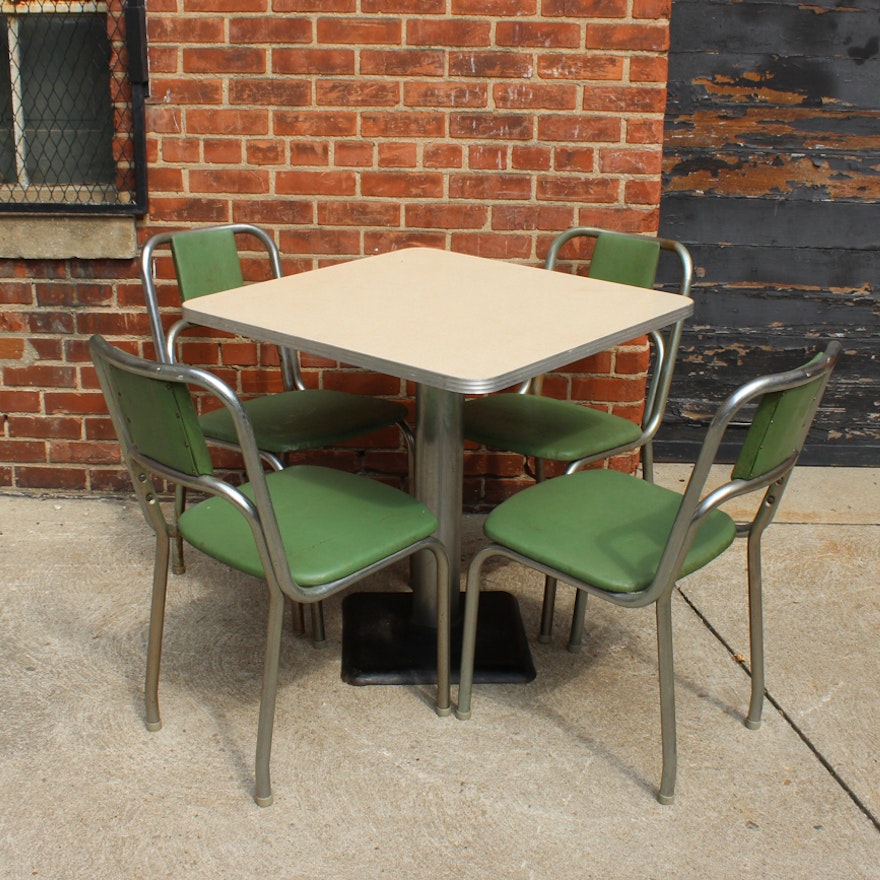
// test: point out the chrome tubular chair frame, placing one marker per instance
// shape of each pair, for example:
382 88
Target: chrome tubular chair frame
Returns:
257 508
665 345
166 343
664 350
343 417
766 461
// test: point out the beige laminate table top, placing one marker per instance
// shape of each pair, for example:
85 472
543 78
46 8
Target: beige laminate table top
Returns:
460 323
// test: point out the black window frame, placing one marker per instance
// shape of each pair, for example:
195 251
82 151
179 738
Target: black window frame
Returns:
115 179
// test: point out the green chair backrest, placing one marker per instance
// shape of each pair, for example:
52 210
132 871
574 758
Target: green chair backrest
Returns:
625 259
779 428
206 261
157 417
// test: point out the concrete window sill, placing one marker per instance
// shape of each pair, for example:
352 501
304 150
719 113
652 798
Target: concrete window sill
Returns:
32 237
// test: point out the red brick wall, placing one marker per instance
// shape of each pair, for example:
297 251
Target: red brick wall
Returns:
350 127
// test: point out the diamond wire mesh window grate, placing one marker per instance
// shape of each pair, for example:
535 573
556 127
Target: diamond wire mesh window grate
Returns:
71 117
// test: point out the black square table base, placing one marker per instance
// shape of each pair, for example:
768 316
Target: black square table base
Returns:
381 644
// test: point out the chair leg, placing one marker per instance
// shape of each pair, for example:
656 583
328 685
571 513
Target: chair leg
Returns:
648 462
298 622
666 793
444 706
578 617
469 637
319 636
547 609
177 564
548 606
410 442
756 633
297 617
263 790
157 625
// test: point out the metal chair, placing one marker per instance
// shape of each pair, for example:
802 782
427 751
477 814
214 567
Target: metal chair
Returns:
307 531
549 429
627 540
206 261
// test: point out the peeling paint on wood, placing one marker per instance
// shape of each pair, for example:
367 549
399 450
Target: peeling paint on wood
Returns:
774 128
772 178
775 174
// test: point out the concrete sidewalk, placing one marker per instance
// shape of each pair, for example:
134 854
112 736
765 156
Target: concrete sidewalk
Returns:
554 779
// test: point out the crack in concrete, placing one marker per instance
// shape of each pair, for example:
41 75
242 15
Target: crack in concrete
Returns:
789 720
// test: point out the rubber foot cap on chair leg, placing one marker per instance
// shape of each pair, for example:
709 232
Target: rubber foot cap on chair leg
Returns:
444 712
665 799
753 725
153 725
263 801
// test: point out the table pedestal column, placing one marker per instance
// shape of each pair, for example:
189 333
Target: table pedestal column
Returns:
438 478
390 638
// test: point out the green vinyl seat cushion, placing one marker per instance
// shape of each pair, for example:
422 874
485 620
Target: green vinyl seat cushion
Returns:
544 427
603 527
290 421
332 523
625 259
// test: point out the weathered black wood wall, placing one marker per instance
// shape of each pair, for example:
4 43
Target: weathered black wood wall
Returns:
772 178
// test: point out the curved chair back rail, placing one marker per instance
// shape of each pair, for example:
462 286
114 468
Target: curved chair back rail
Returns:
551 430
628 541
207 260
306 531
547 429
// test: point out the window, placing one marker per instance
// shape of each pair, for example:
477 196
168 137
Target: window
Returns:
71 112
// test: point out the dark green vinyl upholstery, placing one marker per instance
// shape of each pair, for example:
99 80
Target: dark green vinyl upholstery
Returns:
545 427
548 429
206 262
625 259
777 428
604 527
162 421
291 421
295 421
333 524
627 541
307 531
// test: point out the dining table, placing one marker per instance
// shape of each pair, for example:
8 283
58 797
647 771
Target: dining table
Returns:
455 325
